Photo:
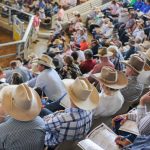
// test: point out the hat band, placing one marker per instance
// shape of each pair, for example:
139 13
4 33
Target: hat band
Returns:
109 81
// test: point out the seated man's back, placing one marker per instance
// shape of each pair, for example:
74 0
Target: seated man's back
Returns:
19 135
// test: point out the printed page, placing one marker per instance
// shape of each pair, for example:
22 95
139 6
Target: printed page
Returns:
87 144
130 126
104 137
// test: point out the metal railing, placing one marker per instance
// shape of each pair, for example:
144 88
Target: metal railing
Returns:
25 41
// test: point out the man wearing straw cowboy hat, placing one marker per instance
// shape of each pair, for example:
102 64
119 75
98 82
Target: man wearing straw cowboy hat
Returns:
144 76
22 130
134 89
104 55
74 122
48 79
111 99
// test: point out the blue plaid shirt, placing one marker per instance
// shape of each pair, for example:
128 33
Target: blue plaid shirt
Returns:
71 124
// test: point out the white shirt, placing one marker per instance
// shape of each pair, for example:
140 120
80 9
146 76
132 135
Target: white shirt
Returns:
123 16
51 84
81 56
109 105
139 33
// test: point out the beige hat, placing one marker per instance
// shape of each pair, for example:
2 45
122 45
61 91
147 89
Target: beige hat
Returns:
32 56
83 94
145 45
57 41
103 52
97 9
112 78
147 54
20 102
41 10
34 68
135 62
44 60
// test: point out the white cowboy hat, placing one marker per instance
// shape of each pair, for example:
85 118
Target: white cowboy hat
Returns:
145 54
44 60
103 52
34 68
135 62
83 94
57 41
20 102
111 78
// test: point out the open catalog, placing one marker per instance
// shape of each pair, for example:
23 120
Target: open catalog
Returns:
100 138
130 126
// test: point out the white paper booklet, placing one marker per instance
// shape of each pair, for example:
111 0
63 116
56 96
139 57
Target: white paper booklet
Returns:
104 137
87 144
130 126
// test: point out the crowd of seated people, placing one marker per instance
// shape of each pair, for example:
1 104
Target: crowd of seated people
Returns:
102 71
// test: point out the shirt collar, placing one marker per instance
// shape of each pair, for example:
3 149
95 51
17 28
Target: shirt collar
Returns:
72 110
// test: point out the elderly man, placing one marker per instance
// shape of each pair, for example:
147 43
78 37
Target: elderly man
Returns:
104 55
74 122
48 79
23 129
133 68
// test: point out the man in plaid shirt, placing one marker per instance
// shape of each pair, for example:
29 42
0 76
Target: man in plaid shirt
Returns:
73 123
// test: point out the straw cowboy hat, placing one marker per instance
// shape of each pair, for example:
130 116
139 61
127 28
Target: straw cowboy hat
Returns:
83 94
147 56
32 56
113 49
145 45
44 60
135 62
34 68
103 52
97 9
111 78
57 41
20 102
41 10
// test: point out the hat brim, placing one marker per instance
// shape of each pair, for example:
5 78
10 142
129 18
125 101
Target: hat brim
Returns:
121 82
127 64
38 61
109 54
15 112
89 104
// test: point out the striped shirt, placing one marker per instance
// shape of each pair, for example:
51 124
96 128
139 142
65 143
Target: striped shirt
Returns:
142 117
19 135
72 124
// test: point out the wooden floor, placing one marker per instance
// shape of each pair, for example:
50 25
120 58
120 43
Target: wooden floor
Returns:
6 36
